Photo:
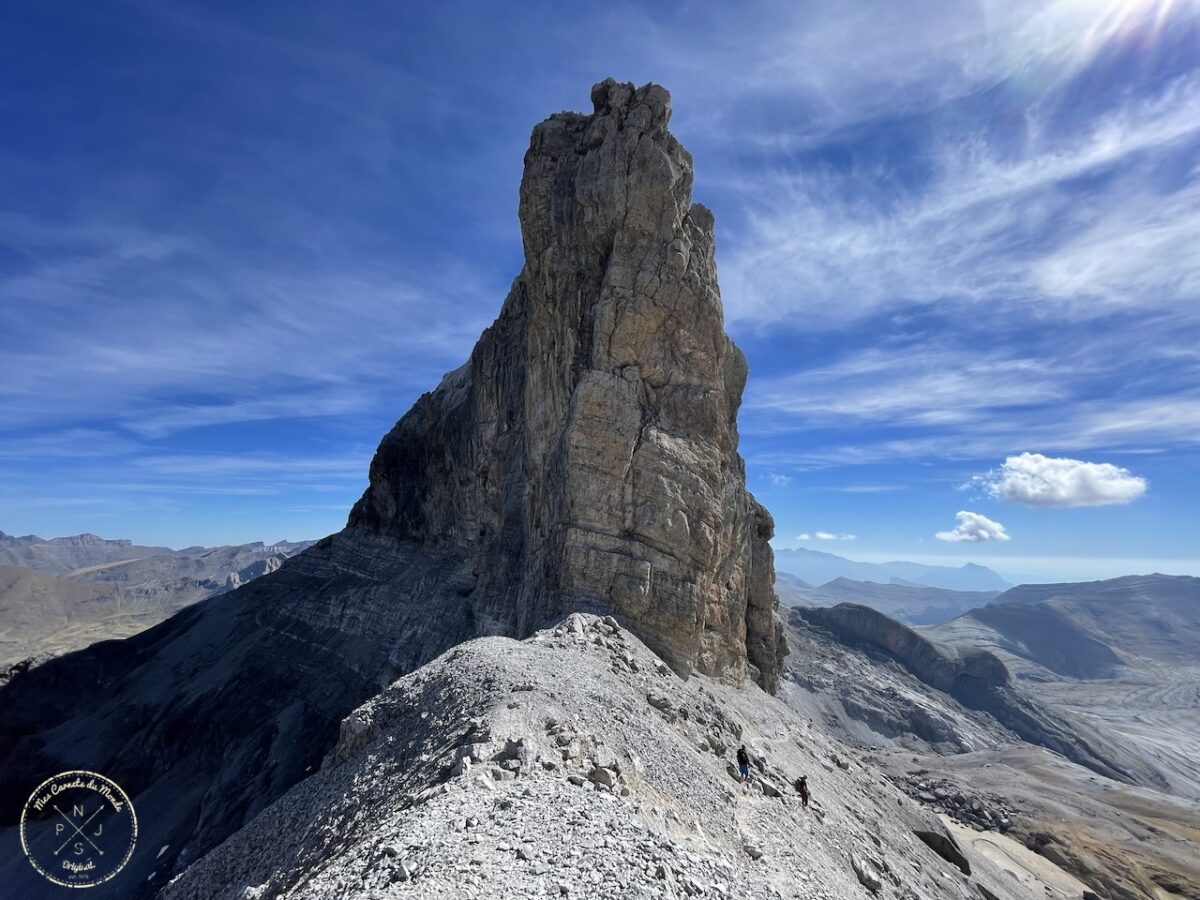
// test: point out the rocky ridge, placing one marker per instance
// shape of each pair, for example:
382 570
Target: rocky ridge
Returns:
577 764
584 458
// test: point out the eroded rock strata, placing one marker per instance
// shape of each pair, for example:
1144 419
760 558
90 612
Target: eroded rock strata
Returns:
584 456
587 451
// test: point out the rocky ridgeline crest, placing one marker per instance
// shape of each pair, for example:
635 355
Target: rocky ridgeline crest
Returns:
577 764
586 454
584 459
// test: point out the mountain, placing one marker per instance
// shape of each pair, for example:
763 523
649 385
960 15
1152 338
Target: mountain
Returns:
1002 756
63 555
792 591
576 764
1088 629
978 680
817 567
910 604
584 458
527 663
1122 653
43 614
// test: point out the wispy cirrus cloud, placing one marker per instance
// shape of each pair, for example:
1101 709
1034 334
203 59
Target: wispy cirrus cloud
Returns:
909 398
966 237
984 224
189 343
910 386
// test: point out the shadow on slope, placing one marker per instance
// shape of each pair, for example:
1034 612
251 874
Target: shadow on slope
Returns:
978 680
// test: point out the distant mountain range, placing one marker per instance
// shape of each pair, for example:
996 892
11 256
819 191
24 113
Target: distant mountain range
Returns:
62 594
910 604
819 568
1088 629
1122 653
63 555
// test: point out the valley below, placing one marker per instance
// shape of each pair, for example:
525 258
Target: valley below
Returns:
64 594
1093 770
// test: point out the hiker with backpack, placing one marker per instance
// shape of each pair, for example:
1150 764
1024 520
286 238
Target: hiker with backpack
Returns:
743 760
802 789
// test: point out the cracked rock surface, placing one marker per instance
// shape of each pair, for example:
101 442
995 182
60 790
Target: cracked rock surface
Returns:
587 451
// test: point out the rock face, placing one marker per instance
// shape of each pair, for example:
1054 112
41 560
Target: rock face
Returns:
587 451
585 456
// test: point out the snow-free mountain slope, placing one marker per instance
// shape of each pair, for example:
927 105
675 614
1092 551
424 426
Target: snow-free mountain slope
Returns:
878 685
577 764
584 457
39 612
1122 655
64 555
45 615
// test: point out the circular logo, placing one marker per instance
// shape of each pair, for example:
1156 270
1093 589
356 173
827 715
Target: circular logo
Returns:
78 829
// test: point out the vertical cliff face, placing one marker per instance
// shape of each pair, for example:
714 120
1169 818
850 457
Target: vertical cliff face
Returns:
586 454
584 458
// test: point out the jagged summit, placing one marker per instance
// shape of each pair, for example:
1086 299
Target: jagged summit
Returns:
584 458
587 451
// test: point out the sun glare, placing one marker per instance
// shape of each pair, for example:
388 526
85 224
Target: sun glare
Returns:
1079 29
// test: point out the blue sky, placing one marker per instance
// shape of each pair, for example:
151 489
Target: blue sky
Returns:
959 243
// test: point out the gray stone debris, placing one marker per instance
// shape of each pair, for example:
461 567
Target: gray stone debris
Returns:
640 811
866 874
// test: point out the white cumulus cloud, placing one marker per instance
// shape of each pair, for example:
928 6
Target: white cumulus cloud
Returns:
1048 481
974 527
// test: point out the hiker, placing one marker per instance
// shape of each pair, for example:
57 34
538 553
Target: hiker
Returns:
743 762
802 789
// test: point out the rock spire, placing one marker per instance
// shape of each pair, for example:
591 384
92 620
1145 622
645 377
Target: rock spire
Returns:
586 454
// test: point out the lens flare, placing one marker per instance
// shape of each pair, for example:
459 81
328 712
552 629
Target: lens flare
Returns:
1074 31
